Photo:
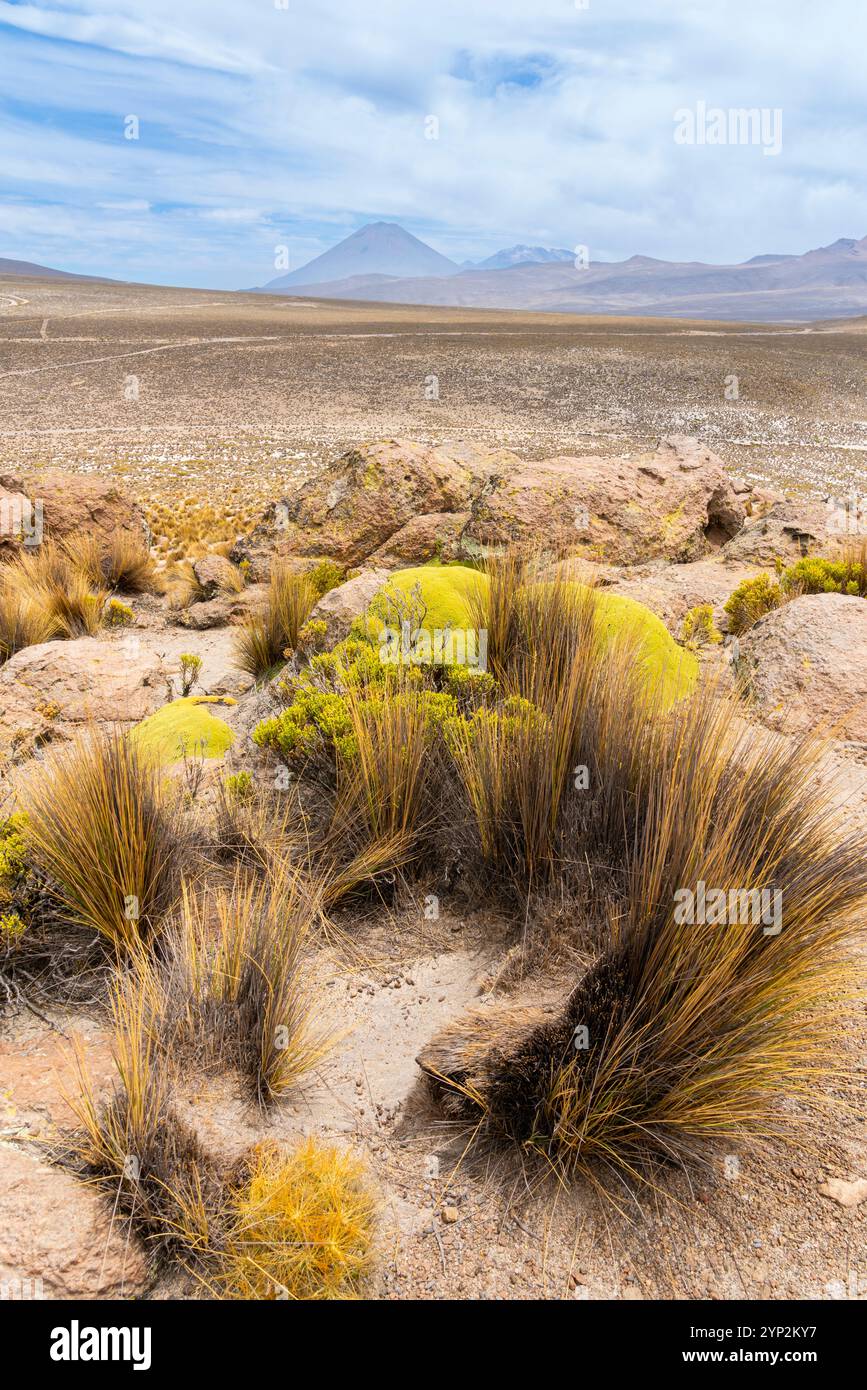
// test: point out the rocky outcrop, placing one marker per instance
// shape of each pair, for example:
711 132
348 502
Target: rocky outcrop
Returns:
400 501
57 1240
55 505
674 504
787 530
50 690
437 535
671 591
806 664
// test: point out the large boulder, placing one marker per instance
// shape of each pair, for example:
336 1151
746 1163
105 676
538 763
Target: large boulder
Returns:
671 591
53 689
57 1238
367 496
216 575
806 664
339 608
403 502
69 504
676 504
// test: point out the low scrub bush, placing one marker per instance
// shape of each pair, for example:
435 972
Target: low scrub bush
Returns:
751 600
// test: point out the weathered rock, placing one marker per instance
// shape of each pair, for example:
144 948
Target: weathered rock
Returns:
676 503
56 1230
436 534
806 664
368 495
216 612
51 690
216 575
788 530
391 500
671 591
341 606
70 504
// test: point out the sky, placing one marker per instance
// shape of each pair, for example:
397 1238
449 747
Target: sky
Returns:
264 124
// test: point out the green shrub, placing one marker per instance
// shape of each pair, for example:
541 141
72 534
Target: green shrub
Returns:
699 628
13 855
325 575
240 786
12 928
751 600
117 614
813 575
191 666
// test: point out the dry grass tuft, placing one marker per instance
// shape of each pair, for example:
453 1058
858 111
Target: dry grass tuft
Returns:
24 621
236 988
265 639
108 839
693 1030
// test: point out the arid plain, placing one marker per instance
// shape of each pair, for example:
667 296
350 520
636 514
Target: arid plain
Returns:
215 396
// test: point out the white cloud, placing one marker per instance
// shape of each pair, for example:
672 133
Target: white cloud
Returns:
261 125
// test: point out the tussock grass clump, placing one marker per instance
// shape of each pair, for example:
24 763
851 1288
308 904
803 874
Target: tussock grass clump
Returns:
237 990
121 561
686 1029
108 839
265 639
302 1226
146 1158
24 621
54 584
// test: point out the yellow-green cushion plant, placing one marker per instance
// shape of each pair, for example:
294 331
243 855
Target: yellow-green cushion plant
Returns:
435 597
445 590
669 668
186 726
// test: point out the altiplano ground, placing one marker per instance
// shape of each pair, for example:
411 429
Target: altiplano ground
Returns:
213 395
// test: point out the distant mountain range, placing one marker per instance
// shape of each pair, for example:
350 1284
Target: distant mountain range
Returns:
830 282
522 255
30 270
382 262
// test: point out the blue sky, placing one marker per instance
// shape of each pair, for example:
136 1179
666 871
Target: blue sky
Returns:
262 126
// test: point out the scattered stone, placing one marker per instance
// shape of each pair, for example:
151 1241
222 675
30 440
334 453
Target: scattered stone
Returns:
215 574
845 1193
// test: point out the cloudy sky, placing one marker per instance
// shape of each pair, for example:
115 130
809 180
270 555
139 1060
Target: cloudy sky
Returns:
264 123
